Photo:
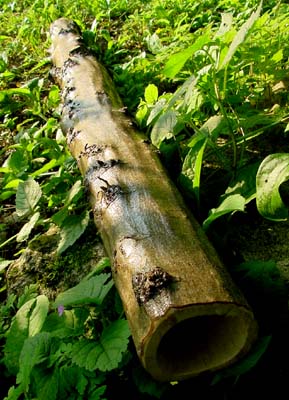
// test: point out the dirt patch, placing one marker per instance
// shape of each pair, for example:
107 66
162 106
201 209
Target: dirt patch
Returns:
40 264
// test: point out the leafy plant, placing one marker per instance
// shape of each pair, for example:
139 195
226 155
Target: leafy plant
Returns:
54 348
215 112
209 84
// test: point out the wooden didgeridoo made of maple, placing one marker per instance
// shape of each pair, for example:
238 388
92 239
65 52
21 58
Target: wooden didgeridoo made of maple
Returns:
185 313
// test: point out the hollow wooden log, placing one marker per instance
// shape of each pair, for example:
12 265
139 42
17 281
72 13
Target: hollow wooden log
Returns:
185 314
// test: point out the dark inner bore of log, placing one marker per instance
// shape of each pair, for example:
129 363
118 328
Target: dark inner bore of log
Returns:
201 343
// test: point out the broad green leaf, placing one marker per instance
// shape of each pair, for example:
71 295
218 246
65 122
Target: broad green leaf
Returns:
92 291
151 94
28 322
243 183
214 126
273 171
18 162
72 228
178 60
74 191
46 167
240 36
18 91
4 264
27 196
164 128
35 350
278 56
13 184
141 113
247 363
186 87
154 44
26 229
156 110
232 203
191 170
17 334
38 315
70 323
226 24
107 354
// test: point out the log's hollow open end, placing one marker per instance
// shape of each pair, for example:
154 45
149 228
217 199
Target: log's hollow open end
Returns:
198 339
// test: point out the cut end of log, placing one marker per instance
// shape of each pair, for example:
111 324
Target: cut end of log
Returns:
209 339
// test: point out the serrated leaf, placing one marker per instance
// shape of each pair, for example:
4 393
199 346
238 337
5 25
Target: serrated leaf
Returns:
70 323
72 228
26 229
273 171
35 350
14 393
164 128
27 196
92 291
97 393
232 203
106 354
151 94
48 386
240 36
38 315
178 60
84 354
113 343
71 377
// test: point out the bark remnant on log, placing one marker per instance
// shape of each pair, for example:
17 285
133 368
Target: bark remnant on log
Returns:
185 313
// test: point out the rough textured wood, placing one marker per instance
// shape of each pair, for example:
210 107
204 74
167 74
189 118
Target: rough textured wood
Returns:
186 315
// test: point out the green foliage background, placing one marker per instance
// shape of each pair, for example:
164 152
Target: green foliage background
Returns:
208 83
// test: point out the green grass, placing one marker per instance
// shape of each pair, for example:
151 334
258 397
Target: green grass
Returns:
207 83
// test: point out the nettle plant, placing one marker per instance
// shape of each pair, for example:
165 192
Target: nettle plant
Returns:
236 93
68 347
